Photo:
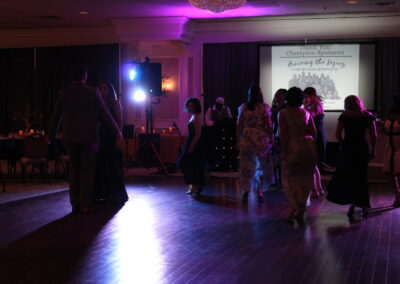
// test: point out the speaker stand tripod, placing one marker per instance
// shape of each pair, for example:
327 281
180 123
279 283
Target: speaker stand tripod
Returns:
147 141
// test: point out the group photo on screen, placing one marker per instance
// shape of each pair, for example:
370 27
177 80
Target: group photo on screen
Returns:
334 70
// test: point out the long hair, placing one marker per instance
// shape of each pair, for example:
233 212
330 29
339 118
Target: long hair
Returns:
279 96
196 104
254 97
111 90
312 92
353 102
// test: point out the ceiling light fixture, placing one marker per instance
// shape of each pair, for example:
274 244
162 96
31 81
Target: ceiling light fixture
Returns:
83 12
217 6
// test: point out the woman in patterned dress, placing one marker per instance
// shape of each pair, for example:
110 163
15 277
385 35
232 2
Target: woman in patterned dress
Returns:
298 153
254 136
391 165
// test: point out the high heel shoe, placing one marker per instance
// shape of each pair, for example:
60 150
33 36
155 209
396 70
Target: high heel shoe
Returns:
245 198
191 189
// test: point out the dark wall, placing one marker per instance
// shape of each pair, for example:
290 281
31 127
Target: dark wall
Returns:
228 71
31 78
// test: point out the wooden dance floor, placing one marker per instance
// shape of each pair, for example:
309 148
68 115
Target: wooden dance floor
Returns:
163 235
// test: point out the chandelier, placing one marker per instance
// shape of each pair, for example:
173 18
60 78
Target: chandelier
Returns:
217 6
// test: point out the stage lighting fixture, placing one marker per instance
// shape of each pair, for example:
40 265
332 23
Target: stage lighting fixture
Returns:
139 95
132 74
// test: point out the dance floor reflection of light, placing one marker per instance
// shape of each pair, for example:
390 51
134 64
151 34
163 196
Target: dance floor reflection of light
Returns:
138 251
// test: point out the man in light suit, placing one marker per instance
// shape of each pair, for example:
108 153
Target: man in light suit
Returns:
81 108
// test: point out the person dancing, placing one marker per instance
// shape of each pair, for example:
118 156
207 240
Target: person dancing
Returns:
81 108
313 104
109 177
349 183
298 153
254 136
278 103
191 160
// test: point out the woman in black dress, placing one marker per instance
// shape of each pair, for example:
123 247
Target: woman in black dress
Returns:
349 184
191 160
109 178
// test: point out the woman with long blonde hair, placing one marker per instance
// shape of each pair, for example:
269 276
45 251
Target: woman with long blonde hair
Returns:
349 184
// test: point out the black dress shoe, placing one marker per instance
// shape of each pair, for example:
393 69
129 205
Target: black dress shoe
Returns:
245 198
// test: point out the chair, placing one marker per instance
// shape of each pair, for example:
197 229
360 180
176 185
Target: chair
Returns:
58 154
62 161
35 155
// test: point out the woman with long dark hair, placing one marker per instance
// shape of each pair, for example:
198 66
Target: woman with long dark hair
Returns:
254 136
313 104
109 177
349 184
278 103
191 160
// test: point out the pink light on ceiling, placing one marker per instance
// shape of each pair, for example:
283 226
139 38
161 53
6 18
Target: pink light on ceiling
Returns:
194 13
217 6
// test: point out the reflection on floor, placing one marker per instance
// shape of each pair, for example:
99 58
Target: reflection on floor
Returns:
163 235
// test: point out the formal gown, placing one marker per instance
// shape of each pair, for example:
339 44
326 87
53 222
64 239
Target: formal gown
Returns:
349 184
109 178
192 164
301 157
391 162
